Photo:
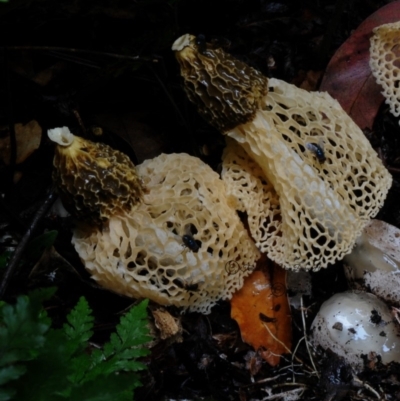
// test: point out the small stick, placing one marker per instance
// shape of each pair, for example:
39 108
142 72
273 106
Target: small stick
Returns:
288 384
25 239
84 51
276 339
305 336
394 170
262 381
368 387
291 394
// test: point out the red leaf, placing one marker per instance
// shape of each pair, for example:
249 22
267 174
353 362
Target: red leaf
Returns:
348 77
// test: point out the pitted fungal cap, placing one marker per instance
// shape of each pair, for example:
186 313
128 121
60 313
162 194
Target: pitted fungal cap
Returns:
94 181
142 253
325 175
227 91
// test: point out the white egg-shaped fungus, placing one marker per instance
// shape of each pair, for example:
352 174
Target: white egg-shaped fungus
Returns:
357 326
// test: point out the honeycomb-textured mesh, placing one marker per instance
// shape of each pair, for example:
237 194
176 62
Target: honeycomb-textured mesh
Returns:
385 63
247 183
143 254
325 198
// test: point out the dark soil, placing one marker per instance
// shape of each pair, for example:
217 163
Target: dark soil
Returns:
107 66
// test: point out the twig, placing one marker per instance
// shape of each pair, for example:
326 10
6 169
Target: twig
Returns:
294 356
287 349
276 339
394 170
84 51
368 387
305 336
24 241
302 363
74 59
294 392
288 384
262 381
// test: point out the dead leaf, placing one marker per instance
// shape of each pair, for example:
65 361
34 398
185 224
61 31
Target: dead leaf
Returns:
348 77
307 80
262 312
142 137
167 324
253 362
45 76
52 269
28 138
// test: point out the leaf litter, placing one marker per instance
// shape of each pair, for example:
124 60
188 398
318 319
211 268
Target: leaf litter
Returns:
284 40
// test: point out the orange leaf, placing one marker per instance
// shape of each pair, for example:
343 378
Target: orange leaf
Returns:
348 77
262 312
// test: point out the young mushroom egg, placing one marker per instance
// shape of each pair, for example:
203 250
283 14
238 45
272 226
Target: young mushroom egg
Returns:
355 326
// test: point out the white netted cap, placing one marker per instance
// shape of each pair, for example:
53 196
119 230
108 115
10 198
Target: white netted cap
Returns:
308 179
385 63
184 245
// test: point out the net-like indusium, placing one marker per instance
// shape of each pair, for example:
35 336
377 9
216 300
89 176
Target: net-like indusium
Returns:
184 245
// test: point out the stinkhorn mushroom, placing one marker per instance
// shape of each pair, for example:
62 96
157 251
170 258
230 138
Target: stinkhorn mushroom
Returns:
357 326
303 152
385 63
175 246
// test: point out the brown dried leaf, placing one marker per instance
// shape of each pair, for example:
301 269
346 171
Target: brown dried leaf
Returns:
167 324
262 312
28 138
348 77
54 269
308 80
141 137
